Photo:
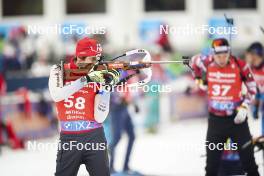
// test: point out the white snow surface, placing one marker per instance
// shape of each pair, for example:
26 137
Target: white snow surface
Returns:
175 150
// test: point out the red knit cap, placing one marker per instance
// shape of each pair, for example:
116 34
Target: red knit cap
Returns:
88 47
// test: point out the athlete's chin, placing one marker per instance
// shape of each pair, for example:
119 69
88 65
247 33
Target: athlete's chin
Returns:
222 64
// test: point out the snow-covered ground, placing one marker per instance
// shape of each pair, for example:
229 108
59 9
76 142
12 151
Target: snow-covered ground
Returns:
175 151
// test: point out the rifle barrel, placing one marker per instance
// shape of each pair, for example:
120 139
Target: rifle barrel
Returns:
166 62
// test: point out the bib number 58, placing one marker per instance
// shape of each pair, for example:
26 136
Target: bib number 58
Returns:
78 103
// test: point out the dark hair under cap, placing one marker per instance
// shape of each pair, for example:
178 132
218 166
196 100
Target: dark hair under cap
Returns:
256 48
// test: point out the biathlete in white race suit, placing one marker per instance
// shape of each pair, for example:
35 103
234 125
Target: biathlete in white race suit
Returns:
223 74
81 109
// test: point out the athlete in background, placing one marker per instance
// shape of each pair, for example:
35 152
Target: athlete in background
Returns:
121 122
223 75
81 109
254 57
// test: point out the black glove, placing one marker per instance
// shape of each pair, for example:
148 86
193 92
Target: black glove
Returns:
112 77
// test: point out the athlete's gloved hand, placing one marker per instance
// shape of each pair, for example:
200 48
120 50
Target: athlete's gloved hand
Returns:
112 77
242 112
96 76
200 84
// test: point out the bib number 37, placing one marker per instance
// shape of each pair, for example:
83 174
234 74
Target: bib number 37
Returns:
220 89
78 103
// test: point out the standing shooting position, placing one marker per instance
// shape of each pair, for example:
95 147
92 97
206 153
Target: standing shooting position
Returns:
224 74
81 109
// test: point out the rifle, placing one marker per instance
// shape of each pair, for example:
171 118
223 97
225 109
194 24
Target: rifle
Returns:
257 142
138 60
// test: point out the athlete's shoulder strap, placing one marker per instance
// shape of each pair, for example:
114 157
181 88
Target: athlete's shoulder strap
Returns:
240 67
207 60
